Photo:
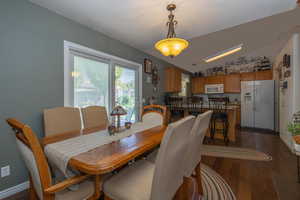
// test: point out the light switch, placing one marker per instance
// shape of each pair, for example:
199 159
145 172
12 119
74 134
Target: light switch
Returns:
5 171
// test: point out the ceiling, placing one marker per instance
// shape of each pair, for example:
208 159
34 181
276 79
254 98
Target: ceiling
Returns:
209 25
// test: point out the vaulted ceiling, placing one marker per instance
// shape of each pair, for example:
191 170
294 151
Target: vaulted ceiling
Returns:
209 25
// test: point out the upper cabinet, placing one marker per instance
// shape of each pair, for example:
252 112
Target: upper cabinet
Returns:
258 76
264 75
214 80
232 83
198 85
172 79
249 76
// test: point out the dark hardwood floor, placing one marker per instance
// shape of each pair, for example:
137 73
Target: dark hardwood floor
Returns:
253 180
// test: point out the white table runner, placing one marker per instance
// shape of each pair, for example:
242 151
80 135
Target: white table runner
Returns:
60 153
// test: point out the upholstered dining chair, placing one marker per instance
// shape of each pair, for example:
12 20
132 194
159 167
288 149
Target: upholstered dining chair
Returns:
155 114
41 183
193 153
94 118
144 180
63 121
210 184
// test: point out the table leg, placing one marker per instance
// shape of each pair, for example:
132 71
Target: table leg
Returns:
98 187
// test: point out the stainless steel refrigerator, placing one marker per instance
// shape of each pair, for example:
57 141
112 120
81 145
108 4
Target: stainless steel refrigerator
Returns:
257 104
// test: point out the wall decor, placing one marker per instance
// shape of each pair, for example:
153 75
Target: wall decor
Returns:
241 65
148 79
147 66
155 76
286 60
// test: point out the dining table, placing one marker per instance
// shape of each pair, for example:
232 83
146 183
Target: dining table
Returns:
86 153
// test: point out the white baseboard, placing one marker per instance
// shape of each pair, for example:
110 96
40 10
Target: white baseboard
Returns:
14 190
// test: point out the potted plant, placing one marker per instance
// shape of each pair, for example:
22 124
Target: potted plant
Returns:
294 128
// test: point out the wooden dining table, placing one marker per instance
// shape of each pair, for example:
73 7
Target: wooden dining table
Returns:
108 157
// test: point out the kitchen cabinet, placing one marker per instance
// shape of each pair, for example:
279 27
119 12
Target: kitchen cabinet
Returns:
214 80
198 85
232 83
238 116
264 75
172 79
249 76
257 76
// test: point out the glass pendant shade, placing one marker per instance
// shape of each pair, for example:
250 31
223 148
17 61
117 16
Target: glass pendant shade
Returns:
171 46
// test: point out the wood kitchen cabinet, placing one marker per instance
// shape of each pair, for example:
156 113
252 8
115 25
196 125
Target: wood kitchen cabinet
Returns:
257 76
249 76
214 80
232 83
172 79
238 116
198 85
264 75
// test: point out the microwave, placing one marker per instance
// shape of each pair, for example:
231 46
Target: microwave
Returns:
214 88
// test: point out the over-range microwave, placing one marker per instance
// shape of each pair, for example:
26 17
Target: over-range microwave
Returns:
214 88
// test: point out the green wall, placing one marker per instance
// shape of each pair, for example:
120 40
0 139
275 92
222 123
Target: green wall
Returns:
31 70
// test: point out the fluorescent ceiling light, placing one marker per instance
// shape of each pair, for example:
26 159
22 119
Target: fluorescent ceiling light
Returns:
224 53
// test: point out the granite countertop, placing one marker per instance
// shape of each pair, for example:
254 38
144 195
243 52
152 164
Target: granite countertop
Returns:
206 106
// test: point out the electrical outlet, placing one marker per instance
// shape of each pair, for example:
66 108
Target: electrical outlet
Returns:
5 171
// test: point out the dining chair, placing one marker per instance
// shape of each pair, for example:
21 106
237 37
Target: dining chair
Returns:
207 179
94 119
154 114
64 121
193 153
144 180
41 183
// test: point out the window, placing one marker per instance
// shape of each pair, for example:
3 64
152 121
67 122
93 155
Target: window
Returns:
95 78
185 85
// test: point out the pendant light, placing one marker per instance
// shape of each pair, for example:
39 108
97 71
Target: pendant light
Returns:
171 46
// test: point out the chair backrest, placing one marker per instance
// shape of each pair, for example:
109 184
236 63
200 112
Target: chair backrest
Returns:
218 104
154 114
33 156
94 118
193 153
62 120
169 166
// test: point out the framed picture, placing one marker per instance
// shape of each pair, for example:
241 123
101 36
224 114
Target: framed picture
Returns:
147 66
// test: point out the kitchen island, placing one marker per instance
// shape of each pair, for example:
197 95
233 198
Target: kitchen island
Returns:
232 112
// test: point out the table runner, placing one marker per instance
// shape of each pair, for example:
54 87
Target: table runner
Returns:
60 153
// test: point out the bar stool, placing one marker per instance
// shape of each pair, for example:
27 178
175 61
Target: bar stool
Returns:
195 105
176 107
220 117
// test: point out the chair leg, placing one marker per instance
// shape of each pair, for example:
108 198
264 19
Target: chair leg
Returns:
212 129
188 190
107 198
199 179
32 193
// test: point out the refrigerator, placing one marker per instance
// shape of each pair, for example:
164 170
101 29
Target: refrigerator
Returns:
257 104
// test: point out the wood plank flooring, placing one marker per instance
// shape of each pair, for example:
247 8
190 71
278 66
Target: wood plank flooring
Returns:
253 180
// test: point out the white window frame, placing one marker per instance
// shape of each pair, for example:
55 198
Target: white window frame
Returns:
101 56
